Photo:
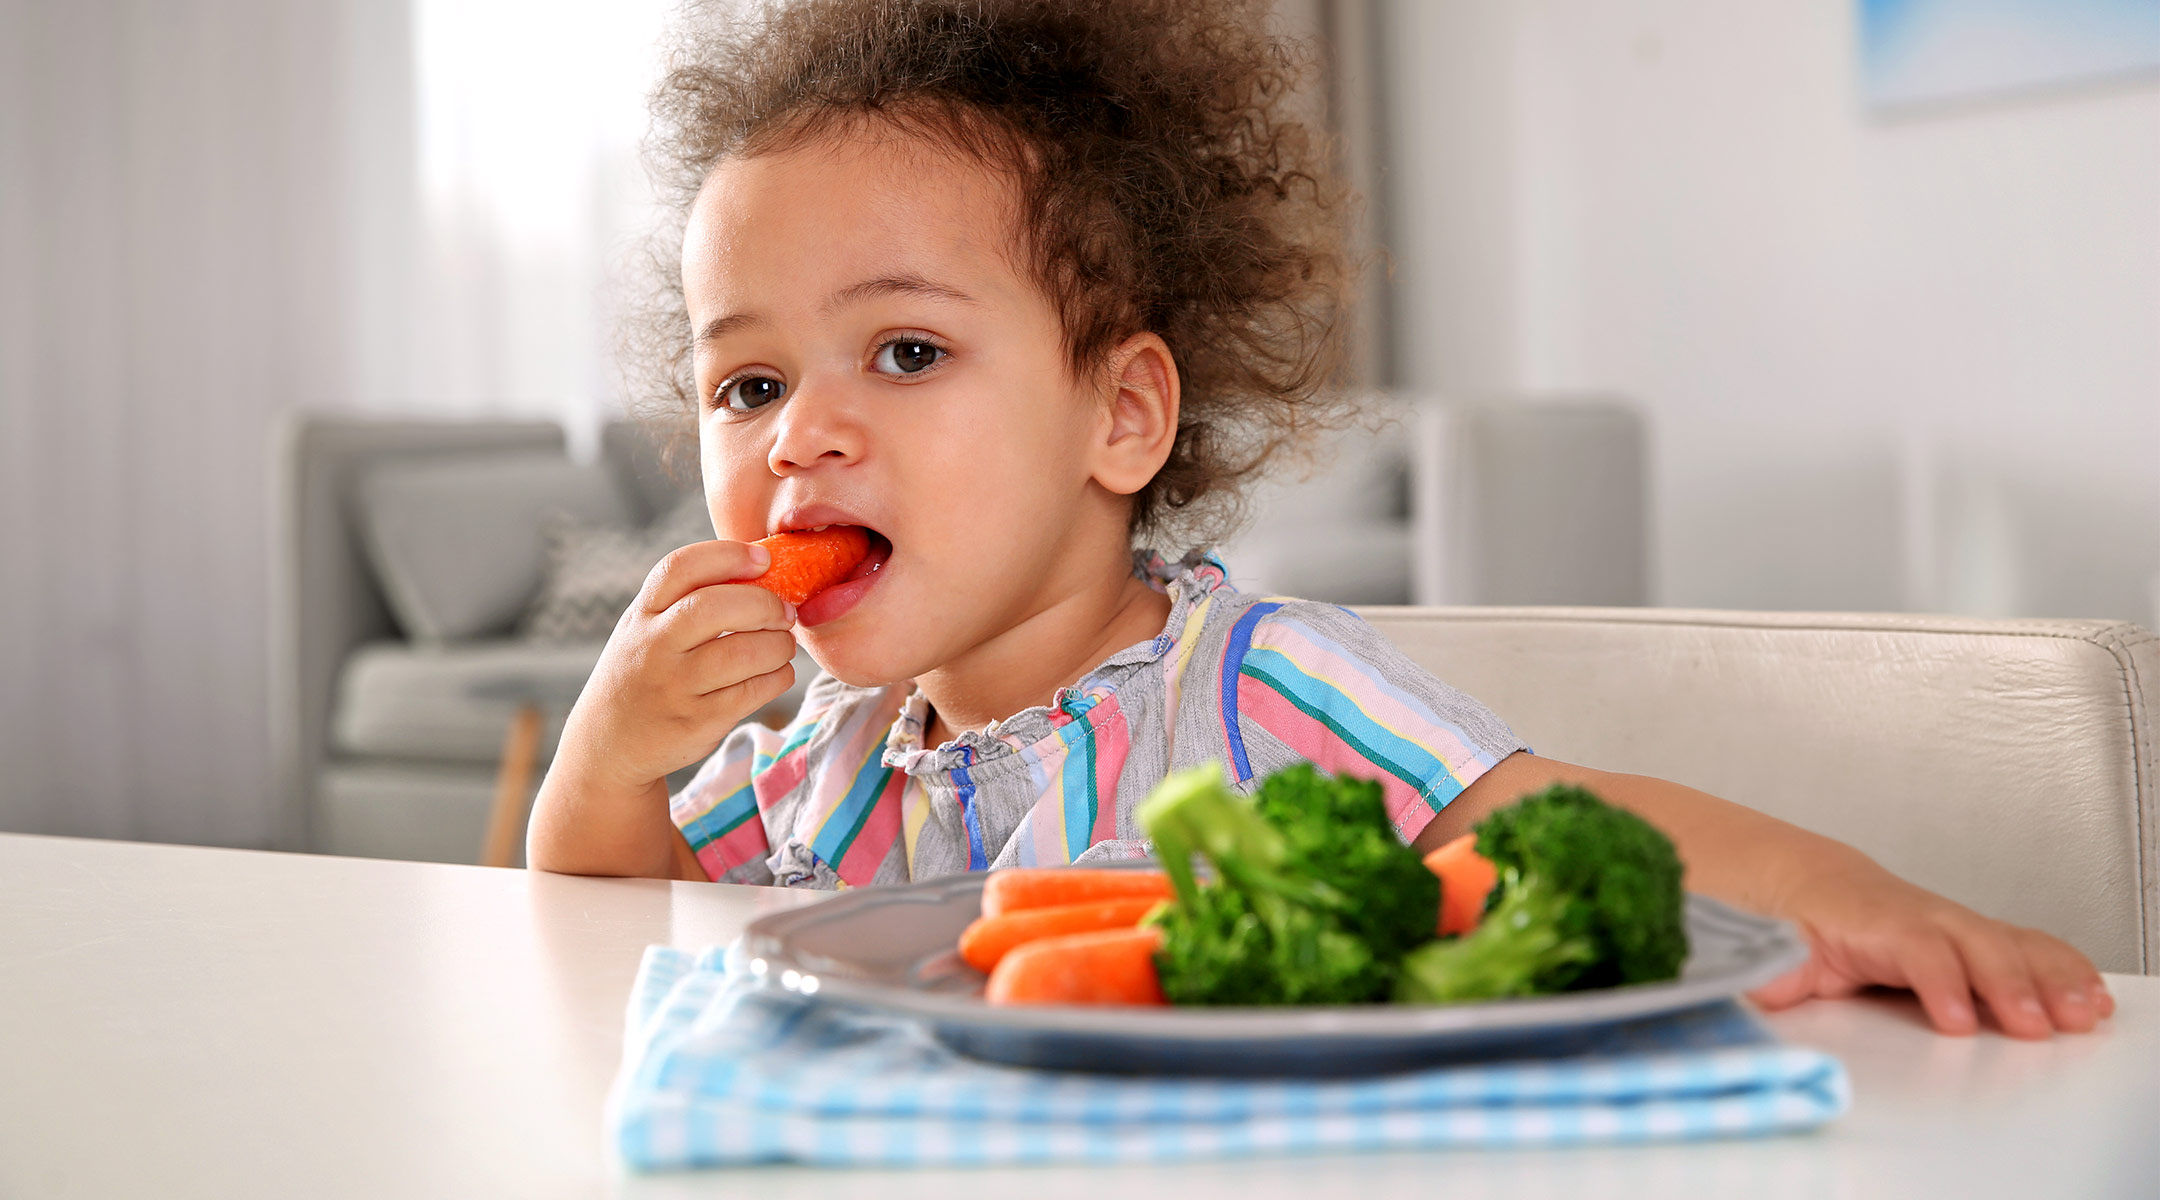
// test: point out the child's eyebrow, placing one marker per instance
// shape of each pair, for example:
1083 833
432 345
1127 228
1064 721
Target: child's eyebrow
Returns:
902 285
884 285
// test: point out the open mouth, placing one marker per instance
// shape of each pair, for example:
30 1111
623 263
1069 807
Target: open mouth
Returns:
834 601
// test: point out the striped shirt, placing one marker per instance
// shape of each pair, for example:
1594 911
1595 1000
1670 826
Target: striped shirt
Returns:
847 794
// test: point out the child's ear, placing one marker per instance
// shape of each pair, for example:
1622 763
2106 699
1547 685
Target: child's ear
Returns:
1140 422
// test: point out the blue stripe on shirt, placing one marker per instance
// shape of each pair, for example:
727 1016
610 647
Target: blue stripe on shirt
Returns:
1241 636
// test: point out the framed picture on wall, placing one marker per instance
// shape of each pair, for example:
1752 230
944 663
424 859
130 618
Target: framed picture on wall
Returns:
1928 52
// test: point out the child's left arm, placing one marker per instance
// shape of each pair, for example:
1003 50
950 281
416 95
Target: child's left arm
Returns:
1865 925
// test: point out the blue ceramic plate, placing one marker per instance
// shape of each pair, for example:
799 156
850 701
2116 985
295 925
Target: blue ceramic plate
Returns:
892 949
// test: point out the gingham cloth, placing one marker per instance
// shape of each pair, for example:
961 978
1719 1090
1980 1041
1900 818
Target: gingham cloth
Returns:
719 1072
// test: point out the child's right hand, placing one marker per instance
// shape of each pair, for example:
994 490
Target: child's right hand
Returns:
696 653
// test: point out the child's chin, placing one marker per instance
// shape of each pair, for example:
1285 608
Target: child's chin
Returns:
846 659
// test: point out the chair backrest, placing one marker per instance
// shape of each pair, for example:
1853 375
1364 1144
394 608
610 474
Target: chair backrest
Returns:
2007 764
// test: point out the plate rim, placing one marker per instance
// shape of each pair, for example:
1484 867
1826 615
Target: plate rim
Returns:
771 963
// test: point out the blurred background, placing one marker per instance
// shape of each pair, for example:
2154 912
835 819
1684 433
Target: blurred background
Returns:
312 477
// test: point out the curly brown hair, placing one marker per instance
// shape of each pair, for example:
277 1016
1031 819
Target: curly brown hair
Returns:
1164 186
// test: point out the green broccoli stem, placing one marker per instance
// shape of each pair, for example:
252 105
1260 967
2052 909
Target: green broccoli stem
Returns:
1176 818
1517 941
1194 812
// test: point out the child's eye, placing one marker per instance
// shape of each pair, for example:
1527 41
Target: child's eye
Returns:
749 394
906 356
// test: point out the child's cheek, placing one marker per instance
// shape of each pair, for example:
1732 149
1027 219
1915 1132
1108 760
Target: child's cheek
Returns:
735 482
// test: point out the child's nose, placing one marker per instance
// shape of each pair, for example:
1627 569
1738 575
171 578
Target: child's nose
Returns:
814 429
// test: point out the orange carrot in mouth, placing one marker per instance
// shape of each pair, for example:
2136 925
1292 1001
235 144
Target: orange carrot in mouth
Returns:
1045 887
989 939
807 561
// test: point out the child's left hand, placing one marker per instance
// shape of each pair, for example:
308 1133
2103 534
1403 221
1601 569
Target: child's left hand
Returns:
1867 927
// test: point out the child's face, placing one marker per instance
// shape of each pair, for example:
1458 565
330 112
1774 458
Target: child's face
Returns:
868 354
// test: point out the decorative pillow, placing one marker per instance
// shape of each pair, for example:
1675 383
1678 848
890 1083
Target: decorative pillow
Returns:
457 538
595 571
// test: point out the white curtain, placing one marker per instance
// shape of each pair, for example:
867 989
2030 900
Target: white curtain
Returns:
527 115
210 213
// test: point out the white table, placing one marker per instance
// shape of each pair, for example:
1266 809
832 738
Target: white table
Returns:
181 1022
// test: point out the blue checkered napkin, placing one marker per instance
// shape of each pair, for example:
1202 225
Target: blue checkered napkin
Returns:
718 1072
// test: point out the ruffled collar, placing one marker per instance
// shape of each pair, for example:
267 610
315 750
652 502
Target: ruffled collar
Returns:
1186 581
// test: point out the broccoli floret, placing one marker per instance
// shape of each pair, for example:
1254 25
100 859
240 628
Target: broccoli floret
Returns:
1519 942
1589 896
1233 947
1622 874
1306 907
1339 831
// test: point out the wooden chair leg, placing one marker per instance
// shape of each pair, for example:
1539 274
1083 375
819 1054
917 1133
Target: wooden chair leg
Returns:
513 787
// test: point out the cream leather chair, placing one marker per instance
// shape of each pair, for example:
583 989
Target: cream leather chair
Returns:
2007 764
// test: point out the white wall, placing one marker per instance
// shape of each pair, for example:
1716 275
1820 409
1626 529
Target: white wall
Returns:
1909 363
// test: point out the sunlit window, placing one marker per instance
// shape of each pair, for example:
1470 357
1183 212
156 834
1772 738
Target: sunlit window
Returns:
528 107
528 116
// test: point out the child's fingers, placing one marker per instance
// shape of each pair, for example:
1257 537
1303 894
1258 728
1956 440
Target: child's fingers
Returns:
1936 974
722 663
740 699
700 564
710 611
1786 990
2069 986
1816 977
1996 965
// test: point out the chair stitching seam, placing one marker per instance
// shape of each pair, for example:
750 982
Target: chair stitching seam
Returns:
2141 753
2095 637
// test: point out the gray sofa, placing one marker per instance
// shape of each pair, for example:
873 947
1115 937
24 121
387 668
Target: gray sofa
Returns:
388 745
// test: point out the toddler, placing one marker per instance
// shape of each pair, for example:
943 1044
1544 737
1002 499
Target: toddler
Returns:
1016 286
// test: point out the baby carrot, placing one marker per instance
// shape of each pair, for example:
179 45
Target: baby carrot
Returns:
807 561
1466 877
1108 966
990 939
1044 887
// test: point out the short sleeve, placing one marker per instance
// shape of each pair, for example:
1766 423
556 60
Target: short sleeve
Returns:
1315 683
755 777
717 810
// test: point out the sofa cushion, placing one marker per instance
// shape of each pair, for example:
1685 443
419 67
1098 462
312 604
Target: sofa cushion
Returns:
453 702
456 538
594 571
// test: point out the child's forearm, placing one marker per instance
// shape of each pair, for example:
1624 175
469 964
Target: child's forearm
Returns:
582 826
1730 851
